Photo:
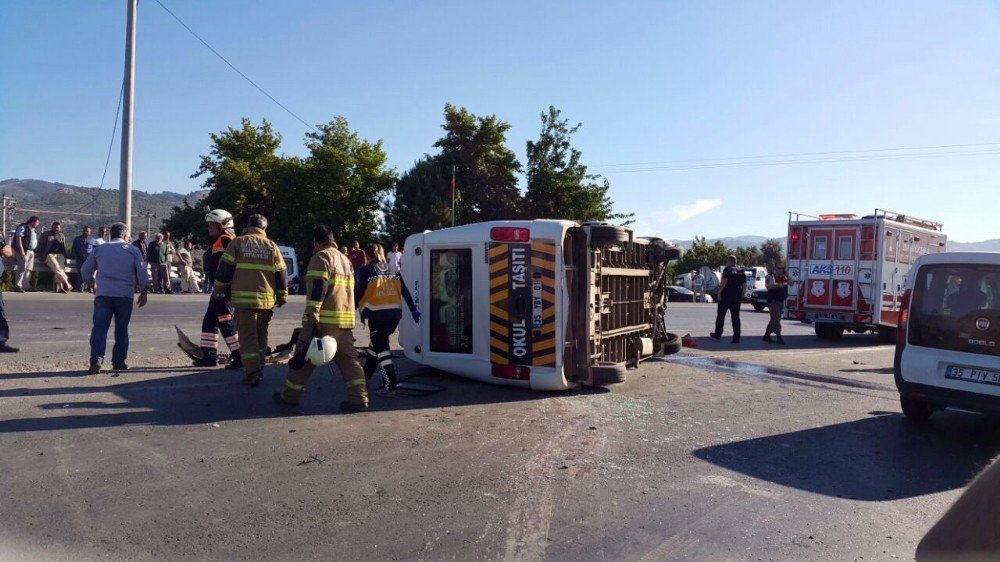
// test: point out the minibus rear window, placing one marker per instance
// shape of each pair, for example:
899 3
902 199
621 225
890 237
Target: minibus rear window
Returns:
451 301
957 307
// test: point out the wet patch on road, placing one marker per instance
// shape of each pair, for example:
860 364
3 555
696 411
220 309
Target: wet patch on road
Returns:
774 374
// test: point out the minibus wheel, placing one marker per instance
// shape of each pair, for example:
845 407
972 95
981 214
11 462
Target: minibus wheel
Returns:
603 374
607 235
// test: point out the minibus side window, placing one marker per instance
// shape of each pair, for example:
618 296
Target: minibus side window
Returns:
819 248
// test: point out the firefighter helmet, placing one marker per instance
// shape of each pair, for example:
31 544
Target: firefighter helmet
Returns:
321 351
221 216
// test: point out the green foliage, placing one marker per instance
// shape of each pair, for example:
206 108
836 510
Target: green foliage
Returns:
188 222
559 186
773 253
701 254
340 182
748 255
420 201
485 169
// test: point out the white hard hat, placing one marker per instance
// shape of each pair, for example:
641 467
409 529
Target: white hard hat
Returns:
221 216
321 351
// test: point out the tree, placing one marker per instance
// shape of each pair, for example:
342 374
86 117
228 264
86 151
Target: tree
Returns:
420 202
748 255
340 183
187 221
773 253
559 186
239 170
703 254
485 169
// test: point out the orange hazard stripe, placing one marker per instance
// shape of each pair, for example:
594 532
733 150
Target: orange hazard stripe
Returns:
499 312
549 359
499 296
498 281
549 312
548 328
498 359
499 266
499 345
498 250
543 263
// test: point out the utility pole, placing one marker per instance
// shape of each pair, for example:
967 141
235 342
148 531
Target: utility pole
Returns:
125 181
149 216
7 206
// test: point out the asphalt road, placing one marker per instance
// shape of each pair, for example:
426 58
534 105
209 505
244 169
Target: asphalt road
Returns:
722 452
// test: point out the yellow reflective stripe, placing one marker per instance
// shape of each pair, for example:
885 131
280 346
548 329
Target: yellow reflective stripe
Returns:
289 384
356 382
228 258
336 314
256 266
343 281
317 274
248 354
313 304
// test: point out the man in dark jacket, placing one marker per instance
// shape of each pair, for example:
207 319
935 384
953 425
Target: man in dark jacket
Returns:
82 245
141 244
730 298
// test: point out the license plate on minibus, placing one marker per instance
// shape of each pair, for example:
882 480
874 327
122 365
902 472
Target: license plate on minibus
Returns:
972 375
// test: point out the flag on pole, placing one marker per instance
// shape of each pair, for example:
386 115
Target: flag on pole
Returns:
451 191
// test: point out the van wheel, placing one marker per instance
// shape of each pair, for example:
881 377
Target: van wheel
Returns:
603 374
916 411
886 335
826 331
671 344
607 235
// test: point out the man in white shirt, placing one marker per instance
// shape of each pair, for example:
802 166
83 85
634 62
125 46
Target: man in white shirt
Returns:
698 286
394 259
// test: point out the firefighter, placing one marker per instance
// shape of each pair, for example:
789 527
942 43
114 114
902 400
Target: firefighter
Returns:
219 316
252 272
329 312
378 296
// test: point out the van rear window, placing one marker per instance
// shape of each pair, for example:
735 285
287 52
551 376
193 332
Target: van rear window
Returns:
451 301
957 307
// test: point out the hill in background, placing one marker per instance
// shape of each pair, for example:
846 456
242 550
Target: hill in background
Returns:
75 206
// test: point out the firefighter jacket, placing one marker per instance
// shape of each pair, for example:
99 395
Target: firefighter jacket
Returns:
329 289
379 293
214 254
254 268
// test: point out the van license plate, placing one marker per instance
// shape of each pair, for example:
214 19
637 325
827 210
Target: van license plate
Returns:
972 375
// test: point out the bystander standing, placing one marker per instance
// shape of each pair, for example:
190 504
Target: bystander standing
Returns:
189 283
82 245
730 298
119 269
25 244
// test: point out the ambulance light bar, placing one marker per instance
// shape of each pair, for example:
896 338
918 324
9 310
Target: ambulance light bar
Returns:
509 234
795 236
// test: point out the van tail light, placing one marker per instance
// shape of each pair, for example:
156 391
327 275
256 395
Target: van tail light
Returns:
904 318
515 372
509 234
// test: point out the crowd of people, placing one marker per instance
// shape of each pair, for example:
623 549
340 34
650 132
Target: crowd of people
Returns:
248 279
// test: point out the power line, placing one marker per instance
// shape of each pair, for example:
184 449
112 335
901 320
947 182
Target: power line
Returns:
859 158
232 66
107 160
799 154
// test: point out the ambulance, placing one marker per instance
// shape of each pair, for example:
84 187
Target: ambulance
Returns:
848 273
540 304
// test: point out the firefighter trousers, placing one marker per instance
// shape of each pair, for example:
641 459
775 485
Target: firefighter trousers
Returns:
346 360
378 352
251 324
218 318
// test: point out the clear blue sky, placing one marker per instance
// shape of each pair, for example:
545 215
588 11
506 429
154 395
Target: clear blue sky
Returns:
651 82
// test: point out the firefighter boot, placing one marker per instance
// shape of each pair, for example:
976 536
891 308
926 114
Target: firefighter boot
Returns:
235 361
209 358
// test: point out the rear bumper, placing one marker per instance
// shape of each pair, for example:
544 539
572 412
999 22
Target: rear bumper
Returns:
945 397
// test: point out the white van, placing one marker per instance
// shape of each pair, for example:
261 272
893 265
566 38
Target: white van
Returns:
296 284
544 304
948 342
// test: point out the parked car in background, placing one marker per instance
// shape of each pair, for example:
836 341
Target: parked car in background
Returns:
296 284
758 299
676 293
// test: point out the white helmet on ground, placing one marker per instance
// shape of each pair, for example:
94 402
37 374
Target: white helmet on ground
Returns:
321 351
221 216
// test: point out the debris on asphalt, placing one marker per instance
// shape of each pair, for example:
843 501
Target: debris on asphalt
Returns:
216 425
311 459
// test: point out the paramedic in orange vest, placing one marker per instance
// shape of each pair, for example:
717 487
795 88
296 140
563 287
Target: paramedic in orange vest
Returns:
329 312
378 296
219 316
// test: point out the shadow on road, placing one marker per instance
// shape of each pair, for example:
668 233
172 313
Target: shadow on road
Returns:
752 341
206 396
883 457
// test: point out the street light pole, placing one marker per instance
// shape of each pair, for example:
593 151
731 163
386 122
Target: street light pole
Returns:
125 179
